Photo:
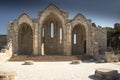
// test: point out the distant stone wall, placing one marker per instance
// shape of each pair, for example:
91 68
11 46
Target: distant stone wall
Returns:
100 36
3 41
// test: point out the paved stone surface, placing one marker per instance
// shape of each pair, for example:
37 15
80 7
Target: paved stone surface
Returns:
56 70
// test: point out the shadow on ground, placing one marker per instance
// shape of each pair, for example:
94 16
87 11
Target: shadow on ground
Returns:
118 77
94 78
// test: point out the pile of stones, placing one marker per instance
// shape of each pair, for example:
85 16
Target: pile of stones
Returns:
111 57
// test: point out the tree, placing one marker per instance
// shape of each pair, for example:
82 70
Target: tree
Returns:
93 24
113 36
117 26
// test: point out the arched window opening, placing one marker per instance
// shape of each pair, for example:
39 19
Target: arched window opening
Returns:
43 34
85 46
60 35
52 29
74 40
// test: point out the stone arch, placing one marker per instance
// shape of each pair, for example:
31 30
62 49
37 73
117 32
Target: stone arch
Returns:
78 40
51 9
52 45
24 18
56 12
25 39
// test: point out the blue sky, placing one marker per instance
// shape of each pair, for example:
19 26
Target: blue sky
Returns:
102 12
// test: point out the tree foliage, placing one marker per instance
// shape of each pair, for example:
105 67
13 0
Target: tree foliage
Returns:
94 25
113 36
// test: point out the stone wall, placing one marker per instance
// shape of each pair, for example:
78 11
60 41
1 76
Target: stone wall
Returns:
100 36
87 33
3 41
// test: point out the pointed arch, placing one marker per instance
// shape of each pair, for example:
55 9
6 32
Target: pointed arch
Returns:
52 25
78 40
79 15
24 18
25 39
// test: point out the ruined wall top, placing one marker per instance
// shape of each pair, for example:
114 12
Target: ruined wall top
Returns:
53 8
99 28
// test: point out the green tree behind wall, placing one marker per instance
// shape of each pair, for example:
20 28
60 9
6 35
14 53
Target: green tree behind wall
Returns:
113 36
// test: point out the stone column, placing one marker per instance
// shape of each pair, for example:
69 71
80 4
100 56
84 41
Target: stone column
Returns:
15 37
35 40
15 46
13 33
8 30
67 43
40 42
89 38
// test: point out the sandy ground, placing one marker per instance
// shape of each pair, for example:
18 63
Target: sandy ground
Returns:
56 70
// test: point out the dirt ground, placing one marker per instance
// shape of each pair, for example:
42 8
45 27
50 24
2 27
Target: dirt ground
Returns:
56 70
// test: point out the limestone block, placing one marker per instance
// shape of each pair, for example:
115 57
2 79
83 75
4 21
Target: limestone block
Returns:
110 49
15 54
118 55
3 77
76 61
29 62
101 61
111 57
7 75
99 58
106 74
3 50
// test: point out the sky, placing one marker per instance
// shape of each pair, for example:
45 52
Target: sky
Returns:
102 12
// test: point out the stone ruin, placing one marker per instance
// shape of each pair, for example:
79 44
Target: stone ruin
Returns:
53 33
109 56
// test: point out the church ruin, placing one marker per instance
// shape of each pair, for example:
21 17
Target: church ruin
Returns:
53 33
